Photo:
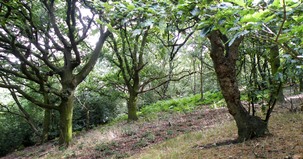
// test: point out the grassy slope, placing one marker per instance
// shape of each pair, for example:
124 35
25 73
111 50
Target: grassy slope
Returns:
285 141
179 129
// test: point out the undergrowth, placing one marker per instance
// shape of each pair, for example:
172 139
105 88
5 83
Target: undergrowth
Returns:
185 104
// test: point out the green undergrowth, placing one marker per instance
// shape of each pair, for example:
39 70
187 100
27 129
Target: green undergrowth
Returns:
185 104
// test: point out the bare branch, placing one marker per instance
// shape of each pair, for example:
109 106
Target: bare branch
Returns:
162 83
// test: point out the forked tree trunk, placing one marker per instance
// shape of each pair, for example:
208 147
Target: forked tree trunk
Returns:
66 116
224 57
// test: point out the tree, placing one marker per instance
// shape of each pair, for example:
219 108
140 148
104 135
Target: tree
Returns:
224 54
225 25
130 43
224 58
43 40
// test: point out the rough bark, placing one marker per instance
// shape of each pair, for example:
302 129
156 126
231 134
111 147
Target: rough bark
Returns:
132 107
224 57
66 116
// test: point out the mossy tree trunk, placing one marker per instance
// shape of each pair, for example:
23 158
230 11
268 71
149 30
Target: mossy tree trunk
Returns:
224 57
133 90
275 64
66 117
132 107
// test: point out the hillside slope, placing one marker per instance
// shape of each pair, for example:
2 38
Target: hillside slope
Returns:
125 139
202 133
285 141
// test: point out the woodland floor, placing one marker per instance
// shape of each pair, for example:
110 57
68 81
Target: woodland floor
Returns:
144 139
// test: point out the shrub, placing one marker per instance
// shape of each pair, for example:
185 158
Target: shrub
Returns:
184 104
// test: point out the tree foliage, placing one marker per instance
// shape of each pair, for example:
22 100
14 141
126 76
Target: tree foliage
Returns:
47 49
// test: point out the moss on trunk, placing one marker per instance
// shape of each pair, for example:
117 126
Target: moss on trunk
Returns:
66 117
132 108
275 64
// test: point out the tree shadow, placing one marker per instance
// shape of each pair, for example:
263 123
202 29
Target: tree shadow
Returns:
217 144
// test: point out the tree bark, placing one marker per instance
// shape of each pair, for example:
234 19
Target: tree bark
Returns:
201 75
132 107
166 85
301 84
275 64
46 119
194 78
224 57
66 116
46 125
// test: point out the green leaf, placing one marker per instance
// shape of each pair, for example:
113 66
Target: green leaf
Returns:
206 30
238 2
148 22
99 22
238 35
136 32
110 28
107 7
131 7
162 26
195 12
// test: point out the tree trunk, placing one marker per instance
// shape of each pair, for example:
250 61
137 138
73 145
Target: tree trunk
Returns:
194 78
132 107
46 119
300 84
201 76
275 64
66 116
166 85
87 123
224 57
46 125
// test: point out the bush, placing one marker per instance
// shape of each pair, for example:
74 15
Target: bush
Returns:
101 109
15 134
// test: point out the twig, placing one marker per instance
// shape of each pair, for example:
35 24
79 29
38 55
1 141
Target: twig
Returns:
284 19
